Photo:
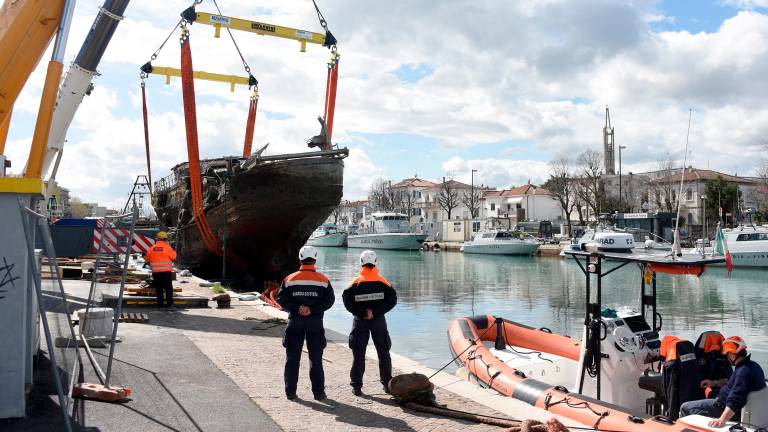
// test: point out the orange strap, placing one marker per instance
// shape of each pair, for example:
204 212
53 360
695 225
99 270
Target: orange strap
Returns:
330 99
249 126
195 180
146 133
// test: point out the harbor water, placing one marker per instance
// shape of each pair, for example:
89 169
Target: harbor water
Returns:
434 288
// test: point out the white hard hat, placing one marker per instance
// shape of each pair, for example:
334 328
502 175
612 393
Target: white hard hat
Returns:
368 257
308 252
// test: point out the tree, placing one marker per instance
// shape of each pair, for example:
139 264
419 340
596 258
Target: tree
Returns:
337 213
664 191
79 209
381 195
448 197
471 199
592 191
406 201
721 194
560 184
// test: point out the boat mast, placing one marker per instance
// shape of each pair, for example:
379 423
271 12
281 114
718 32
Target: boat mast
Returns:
676 248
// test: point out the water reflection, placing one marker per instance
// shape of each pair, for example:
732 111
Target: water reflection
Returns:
434 288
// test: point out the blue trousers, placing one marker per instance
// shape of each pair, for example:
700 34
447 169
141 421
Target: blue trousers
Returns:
297 330
707 407
376 329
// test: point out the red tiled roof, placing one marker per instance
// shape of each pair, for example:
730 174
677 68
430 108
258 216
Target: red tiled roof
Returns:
413 182
527 189
454 184
702 174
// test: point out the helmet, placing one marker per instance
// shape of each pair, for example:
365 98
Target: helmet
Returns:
734 344
307 252
161 235
368 257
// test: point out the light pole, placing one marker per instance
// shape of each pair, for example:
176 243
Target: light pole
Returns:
705 236
472 193
621 197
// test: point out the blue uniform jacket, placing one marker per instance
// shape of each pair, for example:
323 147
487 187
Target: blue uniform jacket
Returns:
306 287
747 377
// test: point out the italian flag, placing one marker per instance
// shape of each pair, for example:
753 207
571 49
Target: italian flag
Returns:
721 248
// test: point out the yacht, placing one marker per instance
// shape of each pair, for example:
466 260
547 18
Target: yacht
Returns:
500 242
748 245
386 230
327 235
613 240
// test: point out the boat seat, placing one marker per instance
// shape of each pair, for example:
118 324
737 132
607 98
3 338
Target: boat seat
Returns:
755 412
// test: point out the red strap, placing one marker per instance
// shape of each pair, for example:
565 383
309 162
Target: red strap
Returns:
327 91
331 107
195 180
249 125
146 133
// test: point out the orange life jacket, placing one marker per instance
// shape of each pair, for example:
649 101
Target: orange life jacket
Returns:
160 257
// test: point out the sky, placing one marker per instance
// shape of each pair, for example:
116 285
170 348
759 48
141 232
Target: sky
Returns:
430 88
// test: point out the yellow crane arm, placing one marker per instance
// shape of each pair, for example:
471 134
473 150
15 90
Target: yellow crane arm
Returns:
264 29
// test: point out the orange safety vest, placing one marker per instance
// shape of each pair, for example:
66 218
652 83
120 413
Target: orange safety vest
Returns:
160 257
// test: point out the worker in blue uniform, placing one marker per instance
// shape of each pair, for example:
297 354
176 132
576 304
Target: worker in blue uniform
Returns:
369 298
306 295
747 377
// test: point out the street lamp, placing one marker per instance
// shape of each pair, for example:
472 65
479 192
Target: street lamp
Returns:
621 199
705 236
472 193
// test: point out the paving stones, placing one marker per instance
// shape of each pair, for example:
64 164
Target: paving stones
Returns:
253 357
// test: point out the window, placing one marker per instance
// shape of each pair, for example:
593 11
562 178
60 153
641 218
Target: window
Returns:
457 227
466 214
752 237
493 206
690 219
475 226
689 195
509 207
434 215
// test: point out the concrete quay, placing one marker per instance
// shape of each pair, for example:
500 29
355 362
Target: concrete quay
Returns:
207 369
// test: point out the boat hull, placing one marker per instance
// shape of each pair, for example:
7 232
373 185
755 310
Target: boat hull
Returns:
500 248
329 240
267 214
401 241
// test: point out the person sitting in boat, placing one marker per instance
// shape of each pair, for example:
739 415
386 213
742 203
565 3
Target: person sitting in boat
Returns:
714 367
747 377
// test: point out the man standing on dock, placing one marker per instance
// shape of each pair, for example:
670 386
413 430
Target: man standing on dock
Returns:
369 298
160 258
306 295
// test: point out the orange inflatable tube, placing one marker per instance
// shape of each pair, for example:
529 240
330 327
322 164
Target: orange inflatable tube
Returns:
466 337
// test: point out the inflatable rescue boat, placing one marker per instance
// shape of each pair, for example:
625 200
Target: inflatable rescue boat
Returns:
620 376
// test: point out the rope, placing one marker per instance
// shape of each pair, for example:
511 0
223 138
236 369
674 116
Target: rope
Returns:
190 121
250 124
471 344
231 36
154 55
146 131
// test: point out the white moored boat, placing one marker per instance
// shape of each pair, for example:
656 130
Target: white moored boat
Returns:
500 242
327 235
748 245
386 231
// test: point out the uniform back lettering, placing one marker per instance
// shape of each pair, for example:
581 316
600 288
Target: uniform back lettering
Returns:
369 297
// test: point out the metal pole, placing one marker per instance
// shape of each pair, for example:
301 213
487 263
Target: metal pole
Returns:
44 317
621 197
119 307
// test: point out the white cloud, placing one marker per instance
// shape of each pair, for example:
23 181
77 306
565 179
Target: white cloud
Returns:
499 173
537 71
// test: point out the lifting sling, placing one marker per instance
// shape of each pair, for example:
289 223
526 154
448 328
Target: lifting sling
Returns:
146 131
330 94
250 123
195 180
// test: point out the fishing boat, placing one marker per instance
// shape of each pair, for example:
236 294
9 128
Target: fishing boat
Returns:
500 242
609 378
263 207
386 230
327 235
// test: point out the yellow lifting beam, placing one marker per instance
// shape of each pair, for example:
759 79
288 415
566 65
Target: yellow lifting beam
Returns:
264 29
168 72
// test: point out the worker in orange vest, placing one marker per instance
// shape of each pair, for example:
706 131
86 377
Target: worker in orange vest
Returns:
160 258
